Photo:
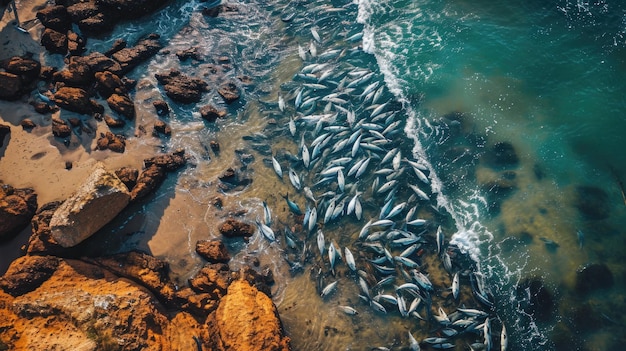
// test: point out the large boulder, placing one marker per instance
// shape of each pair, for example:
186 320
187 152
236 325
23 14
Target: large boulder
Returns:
74 305
54 41
55 17
98 200
182 88
11 86
594 276
17 207
233 228
17 76
246 319
122 104
213 251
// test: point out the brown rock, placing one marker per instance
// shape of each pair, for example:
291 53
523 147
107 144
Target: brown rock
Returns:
98 62
246 319
40 241
169 162
149 180
100 198
143 268
128 176
76 100
212 279
232 228
161 107
229 92
25 67
11 86
26 124
197 304
123 105
55 17
129 58
47 72
162 127
75 43
215 146
118 45
55 42
74 122
76 74
108 140
186 54
213 251
108 83
182 88
114 123
60 128
211 113
43 107
17 207
27 273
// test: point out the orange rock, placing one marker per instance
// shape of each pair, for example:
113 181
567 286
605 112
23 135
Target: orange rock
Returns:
245 320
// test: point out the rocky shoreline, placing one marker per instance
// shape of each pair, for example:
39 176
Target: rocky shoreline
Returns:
55 297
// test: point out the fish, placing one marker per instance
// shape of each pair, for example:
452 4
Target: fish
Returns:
581 238
316 35
277 168
292 127
504 339
487 334
308 194
267 214
313 49
413 344
266 231
329 289
349 259
301 53
332 256
348 310
440 239
306 157
321 244
312 219
281 103
293 207
364 288
455 286
295 179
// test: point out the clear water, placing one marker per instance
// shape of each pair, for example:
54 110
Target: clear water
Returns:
544 76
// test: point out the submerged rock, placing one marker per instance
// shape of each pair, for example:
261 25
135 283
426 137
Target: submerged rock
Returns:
501 155
246 319
182 88
17 207
229 92
592 277
592 202
161 107
233 228
210 113
98 200
538 300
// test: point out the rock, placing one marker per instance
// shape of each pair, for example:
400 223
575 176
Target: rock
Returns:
592 202
75 43
108 140
246 319
55 17
77 73
60 128
11 86
55 42
161 107
129 58
586 317
43 107
90 18
46 73
4 131
123 105
229 92
24 67
169 162
162 127
594 276
149 180
108 83
76 100
502 155
81 306
68 165
232 228
186 54
128 176
17 207
211 113
41 241
26 123
113 123
150 271
541 302
118 45
97 201
98 62
27 273
213 251
215 146
212 279
182 88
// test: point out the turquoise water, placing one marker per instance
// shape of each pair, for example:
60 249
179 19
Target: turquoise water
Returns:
459 77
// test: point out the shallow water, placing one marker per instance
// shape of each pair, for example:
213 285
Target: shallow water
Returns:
542 76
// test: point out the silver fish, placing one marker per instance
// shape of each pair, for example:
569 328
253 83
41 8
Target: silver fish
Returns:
350 259
329 289
277 168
